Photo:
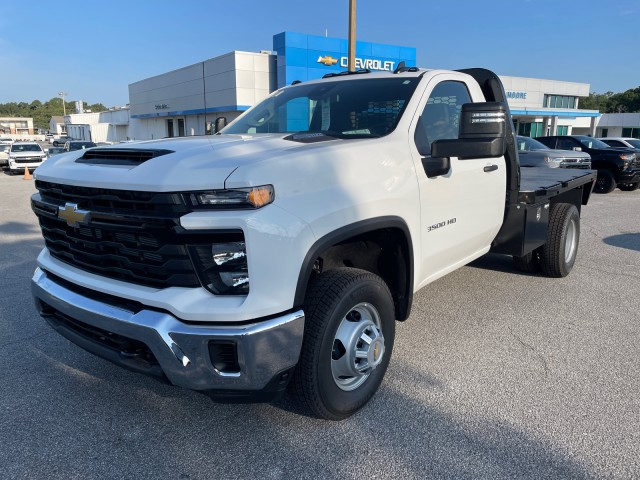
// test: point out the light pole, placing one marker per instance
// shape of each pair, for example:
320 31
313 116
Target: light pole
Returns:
351 65
64 108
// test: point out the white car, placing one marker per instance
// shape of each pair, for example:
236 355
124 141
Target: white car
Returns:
621 142
25 155
4 154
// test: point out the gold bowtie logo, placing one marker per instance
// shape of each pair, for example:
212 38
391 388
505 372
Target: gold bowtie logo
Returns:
72 215
327 60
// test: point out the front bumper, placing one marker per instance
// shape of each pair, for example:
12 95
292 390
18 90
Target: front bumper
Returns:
157 343
632 176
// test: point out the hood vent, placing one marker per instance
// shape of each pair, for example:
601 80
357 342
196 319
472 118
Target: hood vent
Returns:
119 156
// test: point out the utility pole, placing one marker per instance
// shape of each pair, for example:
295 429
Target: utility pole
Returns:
64 108
351 65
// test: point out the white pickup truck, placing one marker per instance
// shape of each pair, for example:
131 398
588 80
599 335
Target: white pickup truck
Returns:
279 253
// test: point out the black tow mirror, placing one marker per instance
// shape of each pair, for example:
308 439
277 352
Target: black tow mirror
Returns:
482 134
220 123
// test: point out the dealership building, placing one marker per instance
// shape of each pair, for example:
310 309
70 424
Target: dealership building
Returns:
187 101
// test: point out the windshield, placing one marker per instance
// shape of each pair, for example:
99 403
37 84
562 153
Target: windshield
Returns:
348 109
21 147
592 142
80 145
527 144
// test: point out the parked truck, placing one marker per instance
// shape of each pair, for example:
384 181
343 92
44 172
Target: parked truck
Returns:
278 254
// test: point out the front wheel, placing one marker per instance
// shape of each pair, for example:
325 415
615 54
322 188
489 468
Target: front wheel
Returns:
563 235
605 183
348 340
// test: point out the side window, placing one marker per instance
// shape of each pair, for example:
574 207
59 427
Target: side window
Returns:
566 144
440 118
615 143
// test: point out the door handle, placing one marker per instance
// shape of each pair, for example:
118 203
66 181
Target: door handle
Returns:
490 168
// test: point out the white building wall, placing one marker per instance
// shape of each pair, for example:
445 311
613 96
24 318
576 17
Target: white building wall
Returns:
219 87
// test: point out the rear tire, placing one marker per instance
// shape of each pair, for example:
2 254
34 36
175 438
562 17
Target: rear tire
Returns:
629 187
605 183
563 236
348 340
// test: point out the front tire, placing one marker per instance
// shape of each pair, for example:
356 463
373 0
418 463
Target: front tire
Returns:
563 236
347 345
605 183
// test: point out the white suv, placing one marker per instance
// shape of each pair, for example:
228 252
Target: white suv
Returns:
25 155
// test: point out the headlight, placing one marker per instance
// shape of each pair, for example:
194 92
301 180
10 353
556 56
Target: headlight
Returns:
238 198
628 157
222 266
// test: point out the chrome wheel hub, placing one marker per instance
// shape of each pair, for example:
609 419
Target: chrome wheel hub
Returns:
571 241
358 347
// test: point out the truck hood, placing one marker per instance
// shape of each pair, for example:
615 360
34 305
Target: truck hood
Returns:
177 164
564 154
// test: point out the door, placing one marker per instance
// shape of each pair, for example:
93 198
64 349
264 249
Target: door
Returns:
462 210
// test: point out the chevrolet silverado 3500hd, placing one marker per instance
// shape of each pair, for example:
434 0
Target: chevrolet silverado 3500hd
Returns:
279 253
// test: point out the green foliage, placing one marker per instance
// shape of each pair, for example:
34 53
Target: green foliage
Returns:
625 102
41 112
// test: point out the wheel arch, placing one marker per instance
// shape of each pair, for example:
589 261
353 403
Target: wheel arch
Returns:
381 245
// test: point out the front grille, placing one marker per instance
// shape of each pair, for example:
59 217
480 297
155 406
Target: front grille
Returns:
28 160
115 201
131 236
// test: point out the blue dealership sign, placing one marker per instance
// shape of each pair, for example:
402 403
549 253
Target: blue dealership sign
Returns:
308 57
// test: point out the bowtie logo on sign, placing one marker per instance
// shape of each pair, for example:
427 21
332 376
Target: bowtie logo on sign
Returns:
327 60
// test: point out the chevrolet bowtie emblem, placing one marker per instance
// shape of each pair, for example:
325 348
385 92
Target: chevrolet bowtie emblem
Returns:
72 215
327 60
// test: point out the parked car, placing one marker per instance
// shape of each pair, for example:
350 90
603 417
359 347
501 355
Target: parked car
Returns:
622 142
78 145
616 166
25 154
532 153
60 141
6 141
4 155
54 150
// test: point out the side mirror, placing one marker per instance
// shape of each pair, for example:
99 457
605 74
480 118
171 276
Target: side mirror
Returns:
482 133
221 122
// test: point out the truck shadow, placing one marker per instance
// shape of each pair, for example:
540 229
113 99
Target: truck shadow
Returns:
498 263
630 241
400 434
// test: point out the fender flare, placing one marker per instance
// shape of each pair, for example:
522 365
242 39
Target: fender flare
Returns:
349 231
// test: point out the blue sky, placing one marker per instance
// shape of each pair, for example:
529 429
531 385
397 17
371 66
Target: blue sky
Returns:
94 49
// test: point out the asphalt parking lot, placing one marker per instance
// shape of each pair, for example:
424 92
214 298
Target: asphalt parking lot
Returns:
496 374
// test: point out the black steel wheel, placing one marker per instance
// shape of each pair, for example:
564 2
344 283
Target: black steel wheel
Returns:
605 183
348 340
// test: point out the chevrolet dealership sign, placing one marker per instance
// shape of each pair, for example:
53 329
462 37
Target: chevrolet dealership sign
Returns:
368 63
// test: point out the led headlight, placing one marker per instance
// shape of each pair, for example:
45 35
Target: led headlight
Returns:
222 266
252 197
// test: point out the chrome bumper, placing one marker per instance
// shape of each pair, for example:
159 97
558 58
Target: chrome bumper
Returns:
264 348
